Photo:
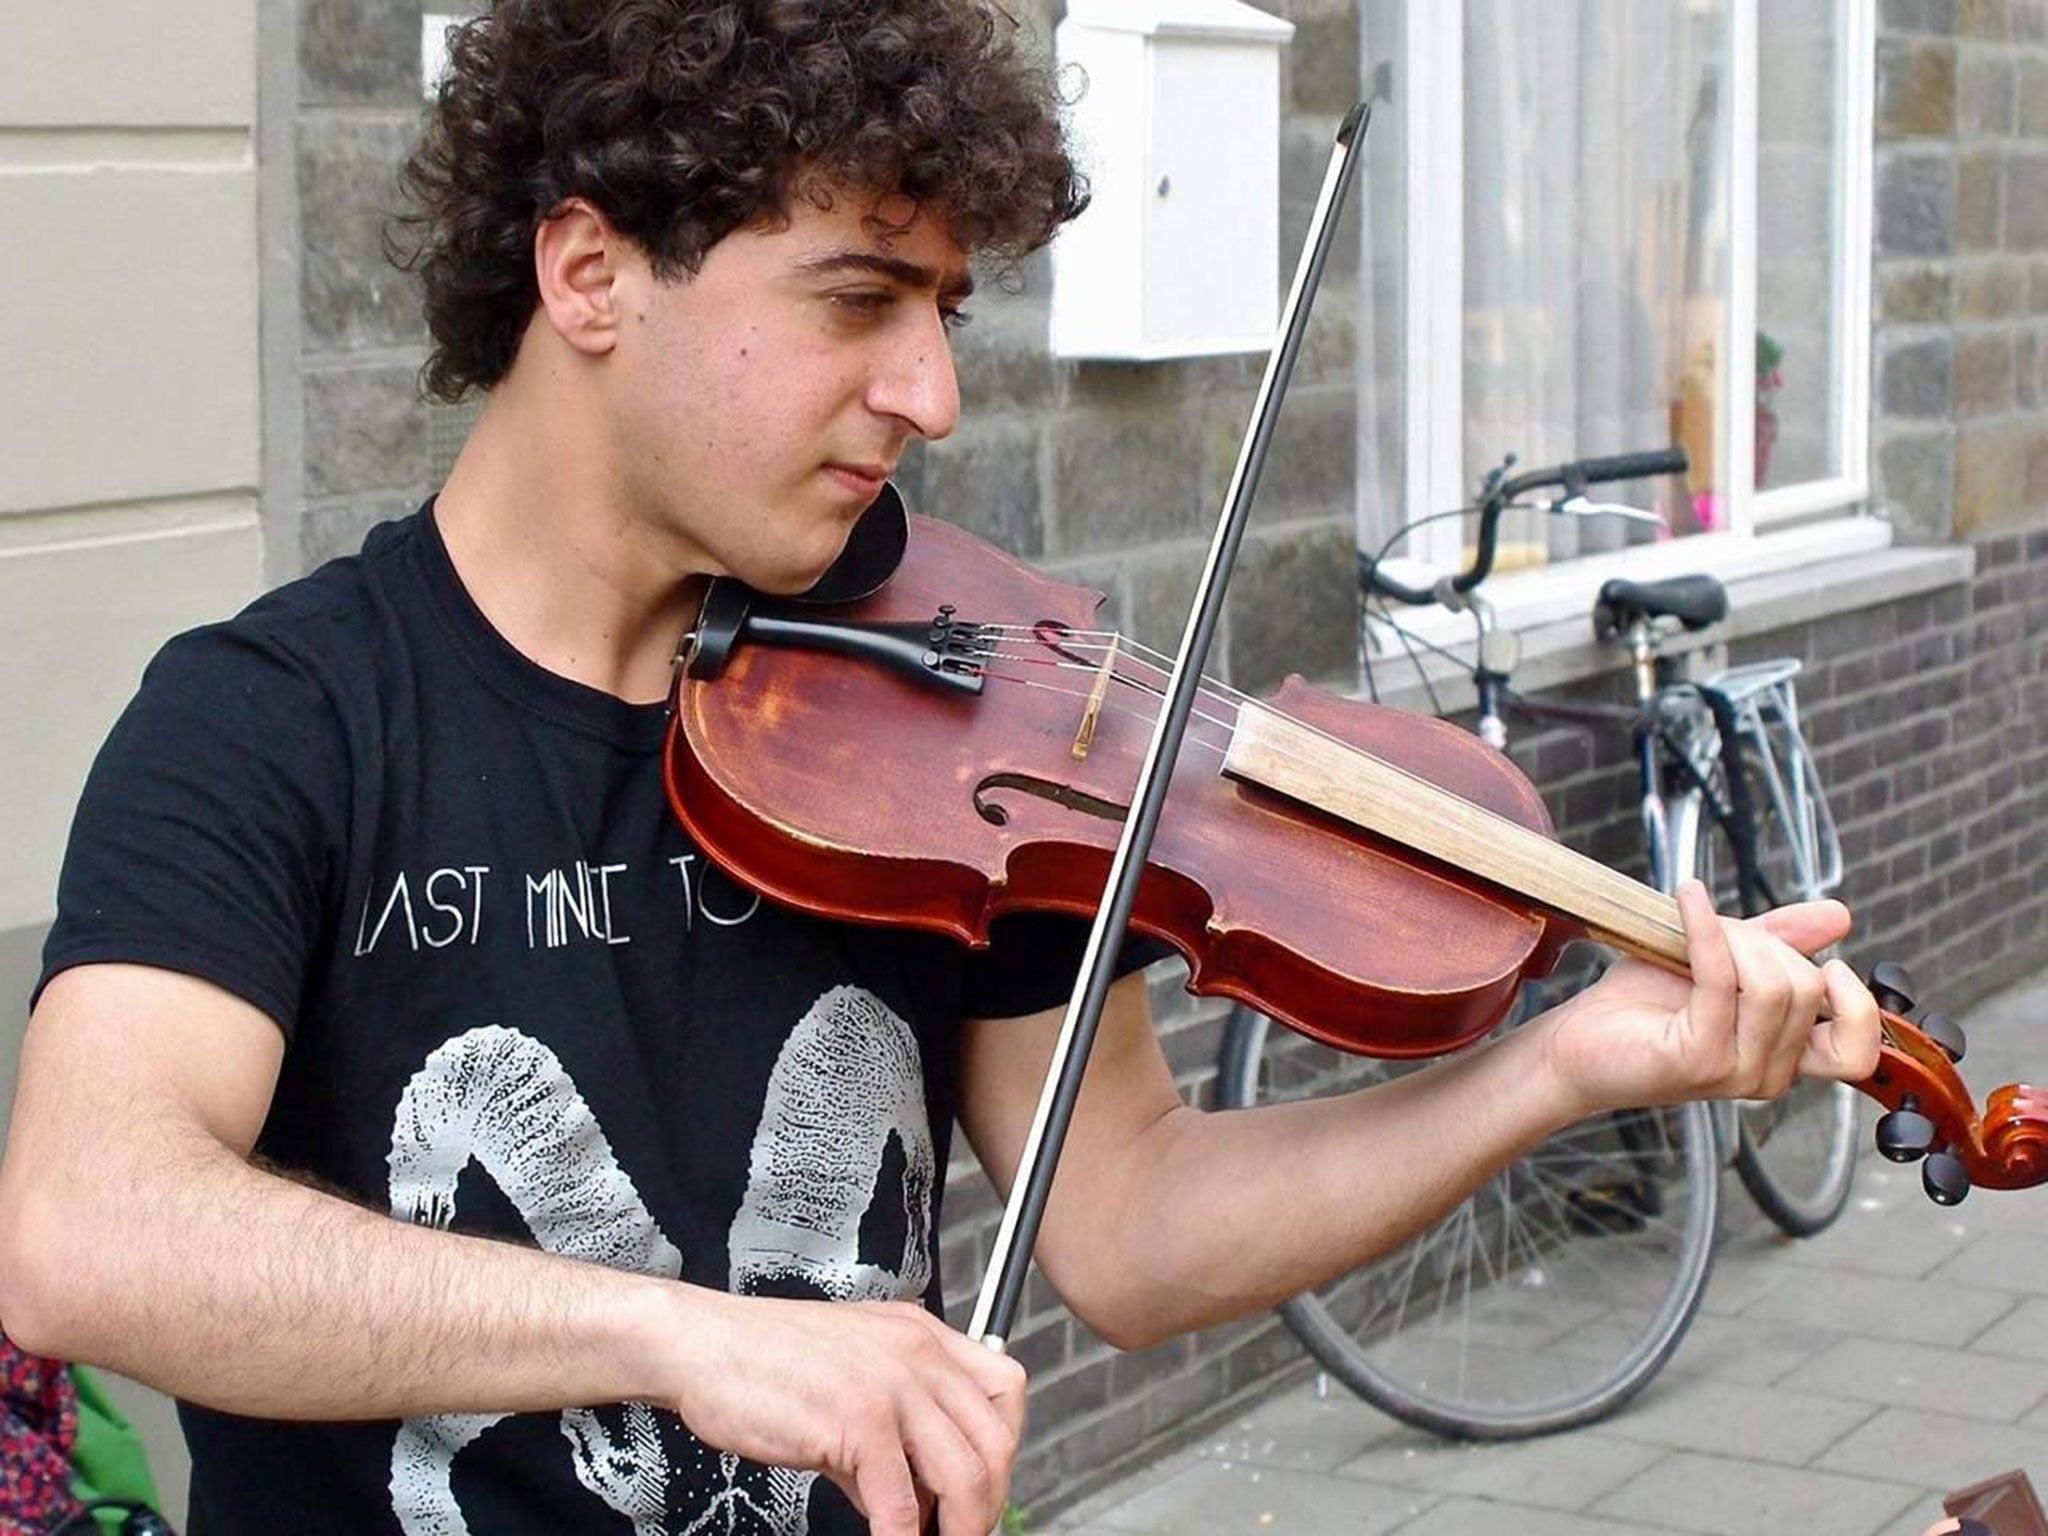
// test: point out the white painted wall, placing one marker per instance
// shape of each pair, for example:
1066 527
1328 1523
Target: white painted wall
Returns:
129 436
129 390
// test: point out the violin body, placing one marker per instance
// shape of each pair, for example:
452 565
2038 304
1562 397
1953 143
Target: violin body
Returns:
892 803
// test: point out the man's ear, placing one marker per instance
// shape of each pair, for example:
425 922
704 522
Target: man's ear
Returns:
578 259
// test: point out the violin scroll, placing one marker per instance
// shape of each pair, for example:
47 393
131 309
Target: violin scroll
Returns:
1930 1116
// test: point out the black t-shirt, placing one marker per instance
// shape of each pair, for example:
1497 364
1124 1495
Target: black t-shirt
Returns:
517 1001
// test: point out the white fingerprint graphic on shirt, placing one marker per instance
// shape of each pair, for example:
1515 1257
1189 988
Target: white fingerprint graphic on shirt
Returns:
849 1080
503 1100
847 1084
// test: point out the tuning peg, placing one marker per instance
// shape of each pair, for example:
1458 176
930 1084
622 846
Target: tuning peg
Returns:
1944 1032
1905 1133
1944 1178
1892 985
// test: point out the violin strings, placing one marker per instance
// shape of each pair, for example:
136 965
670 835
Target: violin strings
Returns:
1139 685
1224 694
1159 661
1220 749
1060 641
1135 711
1031 658
1125 644
1217 693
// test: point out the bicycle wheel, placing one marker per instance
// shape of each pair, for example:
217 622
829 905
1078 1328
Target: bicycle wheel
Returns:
1546 1299
1796 1155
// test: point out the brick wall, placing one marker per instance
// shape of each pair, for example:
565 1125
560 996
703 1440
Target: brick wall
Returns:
1926 717
1924 710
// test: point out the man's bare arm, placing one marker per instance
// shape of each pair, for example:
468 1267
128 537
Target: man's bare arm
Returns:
138 1235
135 1233
1165 1219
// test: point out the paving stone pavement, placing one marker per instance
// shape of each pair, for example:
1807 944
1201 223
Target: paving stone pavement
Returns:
1837 1386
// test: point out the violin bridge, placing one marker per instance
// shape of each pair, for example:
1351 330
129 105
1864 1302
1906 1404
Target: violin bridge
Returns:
1085 736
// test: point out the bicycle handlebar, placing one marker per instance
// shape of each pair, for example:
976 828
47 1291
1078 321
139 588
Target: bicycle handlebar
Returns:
1625 466
1572 478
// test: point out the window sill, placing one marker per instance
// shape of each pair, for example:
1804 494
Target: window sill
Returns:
1773 581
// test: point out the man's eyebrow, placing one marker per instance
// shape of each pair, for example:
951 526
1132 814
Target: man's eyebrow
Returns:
909 273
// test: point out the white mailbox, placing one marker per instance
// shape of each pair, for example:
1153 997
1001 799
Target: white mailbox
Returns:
1178 130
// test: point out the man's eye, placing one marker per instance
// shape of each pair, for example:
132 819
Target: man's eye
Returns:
864 304
955 318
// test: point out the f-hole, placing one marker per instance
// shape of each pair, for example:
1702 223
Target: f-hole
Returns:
1045 789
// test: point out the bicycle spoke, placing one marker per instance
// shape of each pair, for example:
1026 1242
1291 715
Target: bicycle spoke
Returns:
1556 1284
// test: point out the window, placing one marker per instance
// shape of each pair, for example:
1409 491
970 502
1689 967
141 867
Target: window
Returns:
1607 225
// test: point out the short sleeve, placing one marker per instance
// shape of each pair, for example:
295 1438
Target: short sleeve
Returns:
211 830
1033 960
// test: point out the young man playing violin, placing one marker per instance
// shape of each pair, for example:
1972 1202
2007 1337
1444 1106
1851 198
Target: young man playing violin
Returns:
377 941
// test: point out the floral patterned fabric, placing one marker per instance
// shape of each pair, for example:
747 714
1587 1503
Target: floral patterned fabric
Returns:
38 1425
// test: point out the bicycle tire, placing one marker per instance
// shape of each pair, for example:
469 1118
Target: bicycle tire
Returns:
1552 1356
1819 1121
1796 1155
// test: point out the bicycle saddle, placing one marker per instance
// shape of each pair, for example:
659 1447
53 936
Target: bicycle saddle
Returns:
1695 601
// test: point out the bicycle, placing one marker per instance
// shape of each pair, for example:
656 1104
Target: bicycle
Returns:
1560 1287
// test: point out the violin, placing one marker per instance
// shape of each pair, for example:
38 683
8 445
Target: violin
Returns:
961 741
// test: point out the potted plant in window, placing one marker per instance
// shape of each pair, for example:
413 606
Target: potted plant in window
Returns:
1770 378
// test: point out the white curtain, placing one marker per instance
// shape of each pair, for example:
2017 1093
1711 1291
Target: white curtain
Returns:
1594 214
1590 151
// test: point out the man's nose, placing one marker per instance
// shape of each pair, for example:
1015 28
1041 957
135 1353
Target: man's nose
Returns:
917 381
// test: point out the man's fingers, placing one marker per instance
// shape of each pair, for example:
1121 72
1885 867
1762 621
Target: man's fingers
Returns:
1711 1008
1009 1402
884 1490
984 1400
1844 1044
988 1429
1787 1028
955 1418
1001 1380
1755 994
997 1374
1808 926
969 1492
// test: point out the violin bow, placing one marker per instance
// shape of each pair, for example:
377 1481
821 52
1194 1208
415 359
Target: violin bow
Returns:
995 1309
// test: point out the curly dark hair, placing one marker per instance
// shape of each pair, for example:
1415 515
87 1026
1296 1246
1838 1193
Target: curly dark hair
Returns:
685 120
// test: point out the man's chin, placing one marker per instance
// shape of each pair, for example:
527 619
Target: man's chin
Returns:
793 577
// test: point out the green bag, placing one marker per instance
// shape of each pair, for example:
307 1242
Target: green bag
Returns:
107 1462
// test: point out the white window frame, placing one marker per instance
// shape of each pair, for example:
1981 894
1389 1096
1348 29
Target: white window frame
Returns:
1756 538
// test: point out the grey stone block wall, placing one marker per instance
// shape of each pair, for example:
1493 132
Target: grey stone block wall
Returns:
367 435
1927 712
1959 441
